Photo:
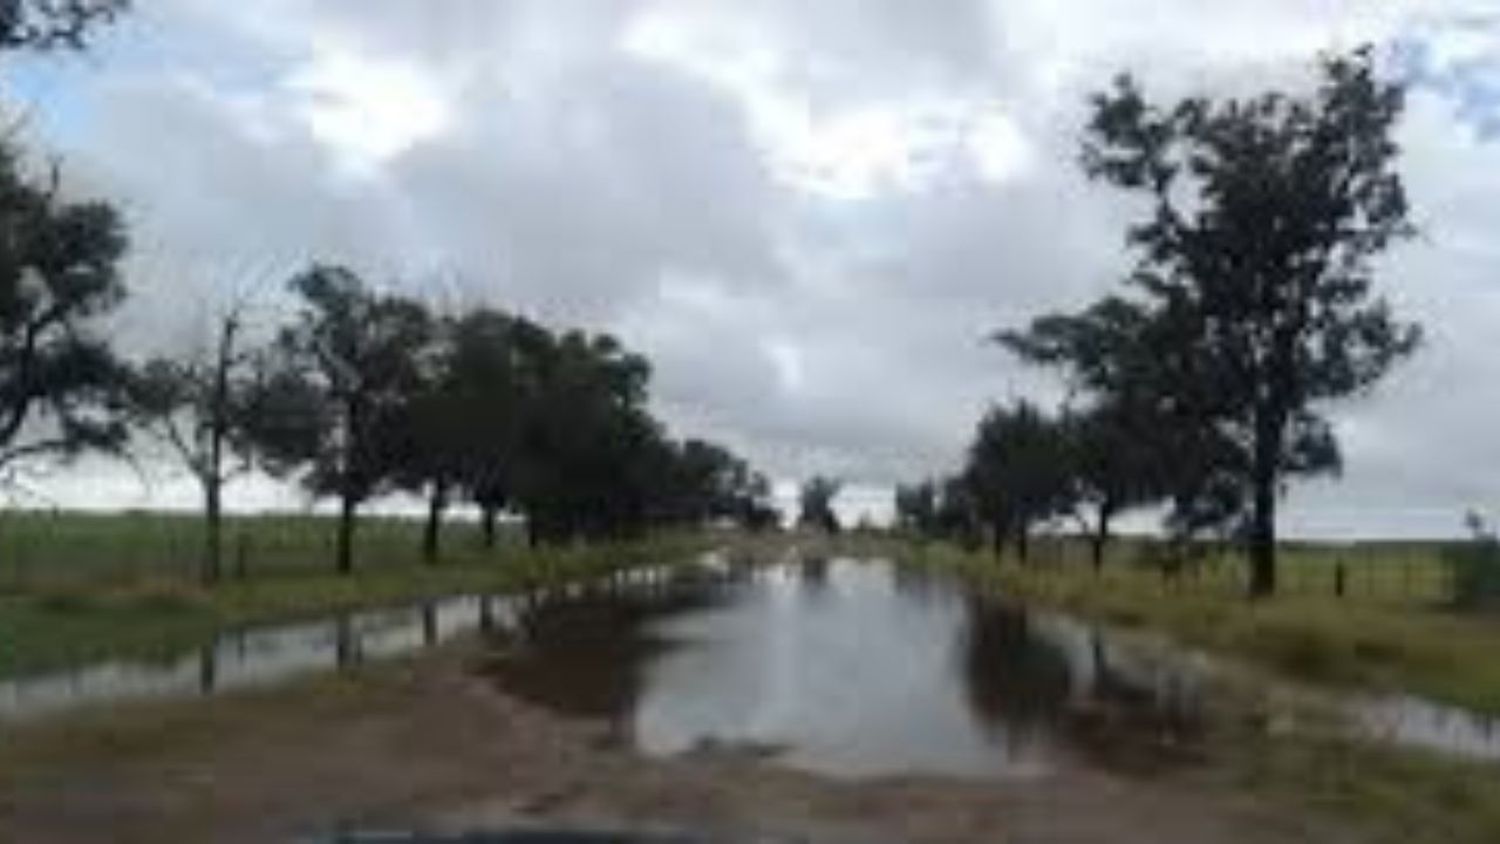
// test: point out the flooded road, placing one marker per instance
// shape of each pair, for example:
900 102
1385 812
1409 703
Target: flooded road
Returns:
853 669
847 668
859 668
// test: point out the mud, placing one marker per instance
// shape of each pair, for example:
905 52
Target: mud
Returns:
430 745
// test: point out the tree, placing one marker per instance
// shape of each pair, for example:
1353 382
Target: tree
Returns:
704 481
957 513
497 360
1256 257
1018 473
428 435
59 277
348 368
1122 448
460 424
917 508
201 409
1115 463
48 24
817 497
587 444
756 512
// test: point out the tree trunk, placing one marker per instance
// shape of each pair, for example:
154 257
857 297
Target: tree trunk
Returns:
437 502
208 671
345 550
1100 537
213 477
488 515
1023 543
213 523
1262 538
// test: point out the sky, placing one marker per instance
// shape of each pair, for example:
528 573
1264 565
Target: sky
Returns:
808 215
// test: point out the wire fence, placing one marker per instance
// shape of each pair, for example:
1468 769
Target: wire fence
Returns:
1399 572
39 548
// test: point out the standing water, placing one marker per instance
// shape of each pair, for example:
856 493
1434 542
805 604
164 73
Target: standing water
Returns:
839 667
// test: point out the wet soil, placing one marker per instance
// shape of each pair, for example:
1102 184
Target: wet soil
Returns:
430 744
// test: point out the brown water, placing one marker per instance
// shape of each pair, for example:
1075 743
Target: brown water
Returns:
842 667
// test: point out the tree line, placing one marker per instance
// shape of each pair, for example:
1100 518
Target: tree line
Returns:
364 393
360 394
1202 387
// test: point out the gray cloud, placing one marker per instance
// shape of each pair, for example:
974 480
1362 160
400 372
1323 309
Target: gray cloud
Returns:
809 215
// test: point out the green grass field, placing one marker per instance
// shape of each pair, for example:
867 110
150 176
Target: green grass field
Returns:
80 587
1392 628
42 548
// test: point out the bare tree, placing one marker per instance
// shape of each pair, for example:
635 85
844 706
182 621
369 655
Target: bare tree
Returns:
200 408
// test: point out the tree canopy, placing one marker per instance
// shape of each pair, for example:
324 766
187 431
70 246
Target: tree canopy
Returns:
1018 472
202 407
48 24
1251 304
816 499
370 393
59 277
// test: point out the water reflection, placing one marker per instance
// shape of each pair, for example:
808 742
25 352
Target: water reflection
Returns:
601 634
253 657
842 667
847 668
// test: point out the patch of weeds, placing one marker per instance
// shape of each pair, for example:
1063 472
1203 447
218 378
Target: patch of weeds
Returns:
66 601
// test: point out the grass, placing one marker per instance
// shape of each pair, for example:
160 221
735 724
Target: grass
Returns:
88 610
1391 630
38 548
1314 762
1390 633
1400 796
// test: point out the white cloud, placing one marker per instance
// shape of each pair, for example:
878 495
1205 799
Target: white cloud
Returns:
367 110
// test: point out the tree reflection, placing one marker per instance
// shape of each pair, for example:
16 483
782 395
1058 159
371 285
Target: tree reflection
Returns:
586 651
1018 683
1029 680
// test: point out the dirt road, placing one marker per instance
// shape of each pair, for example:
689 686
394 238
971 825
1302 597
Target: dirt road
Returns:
433 745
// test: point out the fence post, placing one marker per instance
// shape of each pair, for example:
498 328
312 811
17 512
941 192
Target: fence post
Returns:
1338 578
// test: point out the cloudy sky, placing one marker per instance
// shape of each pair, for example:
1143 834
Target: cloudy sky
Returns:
808 214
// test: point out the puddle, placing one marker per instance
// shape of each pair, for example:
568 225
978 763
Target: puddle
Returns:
867 669
855 669
839 667
262 656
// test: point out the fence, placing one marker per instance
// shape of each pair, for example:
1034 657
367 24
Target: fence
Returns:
41 548
1400 572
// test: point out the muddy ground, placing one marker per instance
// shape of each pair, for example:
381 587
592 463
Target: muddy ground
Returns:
432 744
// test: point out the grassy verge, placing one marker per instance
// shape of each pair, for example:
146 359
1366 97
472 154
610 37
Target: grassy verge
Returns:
1298 754
1398 796
1382 639
77 620
1380 642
